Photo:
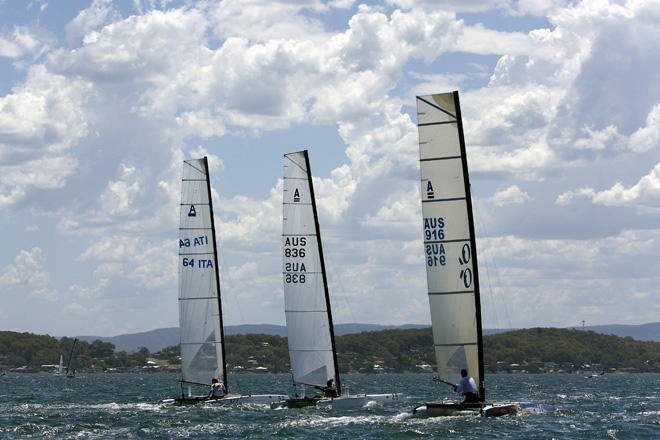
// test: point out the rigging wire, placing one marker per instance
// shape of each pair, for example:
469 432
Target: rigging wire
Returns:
492 292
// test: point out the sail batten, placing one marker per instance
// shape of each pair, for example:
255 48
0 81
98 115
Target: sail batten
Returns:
457 292
458 344
449 241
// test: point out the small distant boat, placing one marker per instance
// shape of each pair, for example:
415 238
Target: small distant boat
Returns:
200 305
60 369
310 332
70 372
451 256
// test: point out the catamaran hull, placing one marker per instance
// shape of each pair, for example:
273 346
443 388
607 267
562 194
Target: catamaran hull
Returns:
303 402
447 409
483 409
358 400
498 410
231 399
250 399
518 409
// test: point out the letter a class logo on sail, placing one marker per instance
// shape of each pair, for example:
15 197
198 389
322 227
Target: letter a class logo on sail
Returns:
192 212
296 196
430 194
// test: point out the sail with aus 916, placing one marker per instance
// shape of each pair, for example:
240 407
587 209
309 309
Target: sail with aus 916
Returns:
450 255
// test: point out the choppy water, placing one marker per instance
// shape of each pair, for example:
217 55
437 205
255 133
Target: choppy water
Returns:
109 406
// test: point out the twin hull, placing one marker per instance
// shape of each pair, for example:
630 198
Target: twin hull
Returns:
230 399
484 409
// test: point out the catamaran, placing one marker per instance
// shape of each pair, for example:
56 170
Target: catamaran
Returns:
451 255
310 333
70 371
60 368
200 305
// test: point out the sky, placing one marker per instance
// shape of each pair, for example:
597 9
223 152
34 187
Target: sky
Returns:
101 101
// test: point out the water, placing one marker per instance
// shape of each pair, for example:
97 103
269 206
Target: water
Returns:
125 406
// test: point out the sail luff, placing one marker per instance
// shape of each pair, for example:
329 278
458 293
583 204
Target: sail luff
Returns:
449 242
475 262
220 327
331 327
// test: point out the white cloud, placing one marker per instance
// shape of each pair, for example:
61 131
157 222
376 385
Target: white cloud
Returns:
21 43
451 5
509 195
480 40
561 268
399 210
92 139
44 115
615 73
647 137
567 197
27 271
147 264
599 140
119 196
334 195
39 123
91 18
646 192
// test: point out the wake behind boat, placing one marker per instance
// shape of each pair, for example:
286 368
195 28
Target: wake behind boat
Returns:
200 305
451 255
310 331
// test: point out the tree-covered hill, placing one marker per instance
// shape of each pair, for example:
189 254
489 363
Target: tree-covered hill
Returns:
31 353
387 350
530 350
545 349
409 350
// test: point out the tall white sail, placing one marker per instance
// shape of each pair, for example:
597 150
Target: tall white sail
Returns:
307 308
200 319
449 245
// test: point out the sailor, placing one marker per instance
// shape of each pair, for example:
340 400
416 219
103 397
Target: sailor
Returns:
468 387
217 390
329 390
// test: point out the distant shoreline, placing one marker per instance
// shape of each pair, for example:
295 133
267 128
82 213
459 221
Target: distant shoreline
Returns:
158 339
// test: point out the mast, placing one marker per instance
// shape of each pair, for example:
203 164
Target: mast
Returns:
323 274
68 364
473 244
217 275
